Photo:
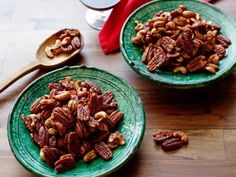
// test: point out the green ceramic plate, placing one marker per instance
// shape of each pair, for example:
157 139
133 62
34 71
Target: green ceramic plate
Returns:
132 53
132 126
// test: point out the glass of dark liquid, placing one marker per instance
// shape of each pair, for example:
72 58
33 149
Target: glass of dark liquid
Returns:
98 11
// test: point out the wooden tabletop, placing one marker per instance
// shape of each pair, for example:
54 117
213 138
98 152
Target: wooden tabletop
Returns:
207 115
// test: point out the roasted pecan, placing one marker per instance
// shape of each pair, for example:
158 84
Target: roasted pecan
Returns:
93 123
33 122
67 83
72 105
171 144
81 129
162 135
76 43
37 107
73 144
50 155
182 136
214 59
219 50
40 138
160 59
95 103
106 124
115 139
185 42
167 43
64 116
116 117
65 162
83 113
222 40
93 86
103 150
211 67
89 156
197 63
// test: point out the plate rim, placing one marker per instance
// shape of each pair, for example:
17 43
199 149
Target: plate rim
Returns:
111 170
168 83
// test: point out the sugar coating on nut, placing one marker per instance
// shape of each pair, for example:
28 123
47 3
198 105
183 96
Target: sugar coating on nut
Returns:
75 120
180 41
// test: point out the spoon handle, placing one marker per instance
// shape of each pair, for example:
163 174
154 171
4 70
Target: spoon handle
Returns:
14 77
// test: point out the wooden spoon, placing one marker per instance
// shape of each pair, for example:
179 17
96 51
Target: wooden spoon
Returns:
42 61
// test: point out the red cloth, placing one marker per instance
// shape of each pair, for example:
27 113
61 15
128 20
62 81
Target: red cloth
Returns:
109 35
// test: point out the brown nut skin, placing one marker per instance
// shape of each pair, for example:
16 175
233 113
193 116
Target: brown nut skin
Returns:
103 150
115 139
162 135
50 155
172 144
65 162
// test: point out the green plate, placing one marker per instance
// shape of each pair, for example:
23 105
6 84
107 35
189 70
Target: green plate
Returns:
133 53
132 126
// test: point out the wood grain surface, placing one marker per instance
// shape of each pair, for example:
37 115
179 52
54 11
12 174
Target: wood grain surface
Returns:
207 115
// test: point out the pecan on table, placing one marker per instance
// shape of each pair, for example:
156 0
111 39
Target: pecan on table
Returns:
171 144
162 135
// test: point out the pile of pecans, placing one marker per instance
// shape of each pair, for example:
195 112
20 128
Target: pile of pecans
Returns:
68 41
180 41
170 140
75 120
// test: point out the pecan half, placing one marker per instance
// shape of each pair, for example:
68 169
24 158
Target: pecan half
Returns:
185 42
95 103
162 135
73 143
103 150
83 113
41 138
115 139
167 43
158 60
37 107
50 155
65 162
116 117
81 129
220 39
93 86
219 50
171 144
197 63
76 43
64 116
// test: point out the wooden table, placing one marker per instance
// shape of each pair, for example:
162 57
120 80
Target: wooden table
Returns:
207 115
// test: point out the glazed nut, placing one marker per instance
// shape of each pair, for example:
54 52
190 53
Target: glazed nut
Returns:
47 101
182 136
48 51
170 25
188 14
180 69
63 96
52 131
48 122
91 155
100 115
72 105
138 26
66 41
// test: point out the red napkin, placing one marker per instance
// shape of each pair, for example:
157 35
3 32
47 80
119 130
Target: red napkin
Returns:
109 35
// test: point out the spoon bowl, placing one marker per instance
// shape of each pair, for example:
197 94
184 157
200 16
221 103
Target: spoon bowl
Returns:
42 61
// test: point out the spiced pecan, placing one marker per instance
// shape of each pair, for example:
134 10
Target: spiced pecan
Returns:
95 103
63 96
224 41
219 50
65 162
162 135
103 150
93 123
73 143
185 42
64 116
116 117
93 86
76 43
41 138
182 136
83 113
115 139
172 144
81 129
37 107
50 155
167 43
67 83
160 59
197 63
